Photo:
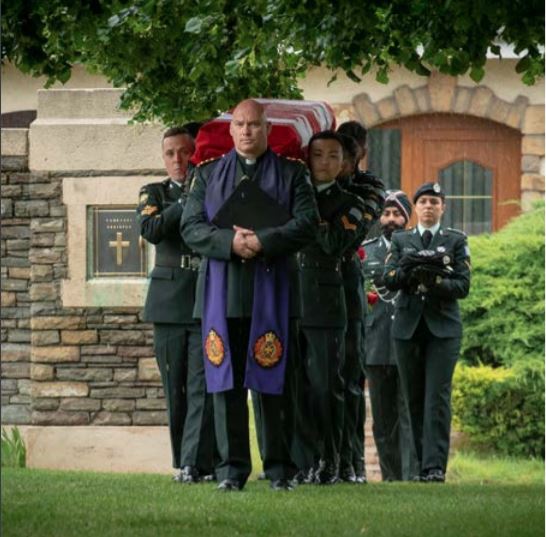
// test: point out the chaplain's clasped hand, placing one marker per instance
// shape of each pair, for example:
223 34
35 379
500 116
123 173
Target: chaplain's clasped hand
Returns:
245 243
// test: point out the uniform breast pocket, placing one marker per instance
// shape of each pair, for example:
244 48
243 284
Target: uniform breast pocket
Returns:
162 273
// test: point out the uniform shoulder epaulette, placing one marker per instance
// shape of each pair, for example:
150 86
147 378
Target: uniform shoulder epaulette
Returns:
208 161
294 159
370 241
151 186
457 231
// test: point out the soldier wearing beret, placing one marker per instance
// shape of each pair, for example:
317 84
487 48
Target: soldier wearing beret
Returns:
430 266
169 305
391 426
371 190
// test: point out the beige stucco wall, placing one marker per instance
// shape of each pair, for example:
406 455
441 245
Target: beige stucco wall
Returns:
500 76
20 91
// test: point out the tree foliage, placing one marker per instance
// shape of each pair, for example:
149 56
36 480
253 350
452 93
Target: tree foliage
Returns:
182 60
503 316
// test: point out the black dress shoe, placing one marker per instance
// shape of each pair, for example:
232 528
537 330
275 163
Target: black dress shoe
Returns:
188 475
435 475
303 477
326 474
360 473
228 485
281 484
310 478
347 474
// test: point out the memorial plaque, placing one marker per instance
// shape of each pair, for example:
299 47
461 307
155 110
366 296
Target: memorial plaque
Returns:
116 249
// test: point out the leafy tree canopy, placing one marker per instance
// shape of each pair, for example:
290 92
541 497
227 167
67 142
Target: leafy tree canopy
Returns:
182 60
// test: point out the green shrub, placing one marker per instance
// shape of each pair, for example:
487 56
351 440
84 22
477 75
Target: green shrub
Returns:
13 448
501 408
504 314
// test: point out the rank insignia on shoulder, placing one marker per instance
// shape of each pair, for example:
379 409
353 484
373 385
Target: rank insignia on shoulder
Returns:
214 348
268 350
149 210
143 197
295 159
458 231
206 161
346 224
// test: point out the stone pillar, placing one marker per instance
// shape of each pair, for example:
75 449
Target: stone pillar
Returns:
93 362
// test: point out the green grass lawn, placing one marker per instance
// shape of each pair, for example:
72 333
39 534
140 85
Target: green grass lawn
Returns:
485 497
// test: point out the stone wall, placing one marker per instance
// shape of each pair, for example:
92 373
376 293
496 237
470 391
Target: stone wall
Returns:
69 366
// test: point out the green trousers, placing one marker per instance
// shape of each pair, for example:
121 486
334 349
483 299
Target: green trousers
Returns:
426 364
324 356
353 398
305 453
391 424
179 356
275 423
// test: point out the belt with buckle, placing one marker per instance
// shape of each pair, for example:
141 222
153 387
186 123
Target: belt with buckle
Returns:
190 262
185 261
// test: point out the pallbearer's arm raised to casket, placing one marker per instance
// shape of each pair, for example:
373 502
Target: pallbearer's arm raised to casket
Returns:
159 216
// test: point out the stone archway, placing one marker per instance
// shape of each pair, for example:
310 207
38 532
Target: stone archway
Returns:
443 94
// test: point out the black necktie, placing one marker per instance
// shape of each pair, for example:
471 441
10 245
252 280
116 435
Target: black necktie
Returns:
426 237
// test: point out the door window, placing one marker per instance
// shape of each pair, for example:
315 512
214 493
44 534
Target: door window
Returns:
469 194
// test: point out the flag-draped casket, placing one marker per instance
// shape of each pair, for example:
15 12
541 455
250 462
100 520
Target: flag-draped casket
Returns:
293 124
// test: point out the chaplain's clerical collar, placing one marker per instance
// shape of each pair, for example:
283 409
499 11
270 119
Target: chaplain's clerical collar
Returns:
323 186
249 161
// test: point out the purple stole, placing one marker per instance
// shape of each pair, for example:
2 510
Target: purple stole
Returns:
269 326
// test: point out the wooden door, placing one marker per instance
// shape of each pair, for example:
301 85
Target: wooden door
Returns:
476 161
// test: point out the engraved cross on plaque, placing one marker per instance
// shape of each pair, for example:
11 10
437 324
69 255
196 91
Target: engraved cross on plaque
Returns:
119 244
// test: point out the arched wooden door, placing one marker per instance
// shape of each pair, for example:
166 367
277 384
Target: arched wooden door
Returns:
476 161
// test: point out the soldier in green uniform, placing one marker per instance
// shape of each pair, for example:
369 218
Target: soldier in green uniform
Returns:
427 326
391 427
169 305
371 190
248 297
324 317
